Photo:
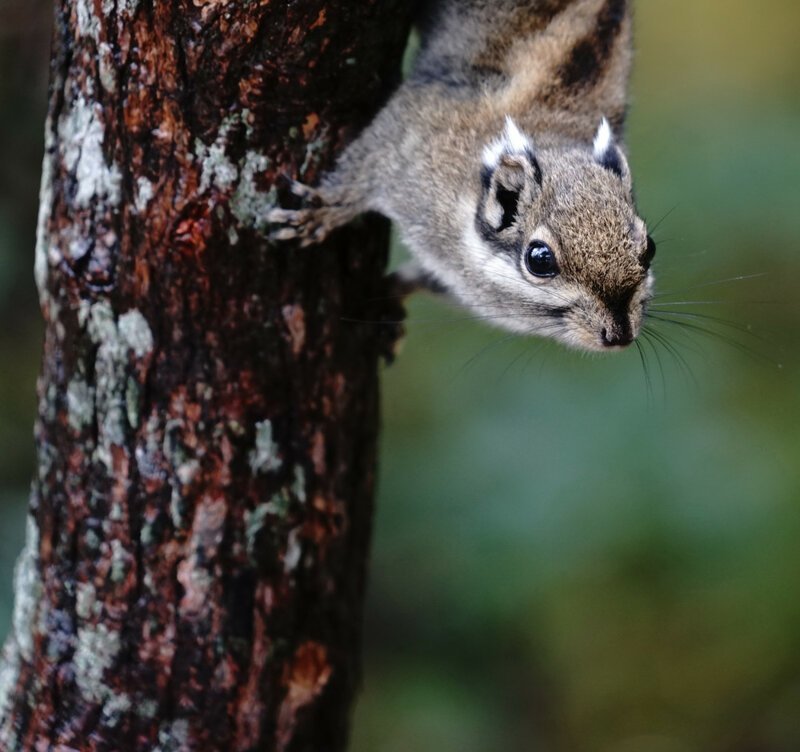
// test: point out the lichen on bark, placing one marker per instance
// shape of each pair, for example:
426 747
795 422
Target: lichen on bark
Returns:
199 521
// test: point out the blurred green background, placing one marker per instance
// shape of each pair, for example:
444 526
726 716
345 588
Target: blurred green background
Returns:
570 555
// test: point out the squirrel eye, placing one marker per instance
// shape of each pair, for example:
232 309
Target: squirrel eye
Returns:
650 252
540 260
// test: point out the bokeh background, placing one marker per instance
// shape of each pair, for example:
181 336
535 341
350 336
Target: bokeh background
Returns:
571 554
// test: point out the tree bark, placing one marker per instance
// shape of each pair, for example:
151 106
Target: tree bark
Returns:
195 560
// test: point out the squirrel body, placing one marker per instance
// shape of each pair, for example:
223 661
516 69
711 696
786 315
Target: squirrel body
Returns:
497 161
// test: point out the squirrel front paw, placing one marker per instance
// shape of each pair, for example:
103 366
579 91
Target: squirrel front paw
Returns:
312 224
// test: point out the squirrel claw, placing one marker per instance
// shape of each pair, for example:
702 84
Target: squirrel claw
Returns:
310 226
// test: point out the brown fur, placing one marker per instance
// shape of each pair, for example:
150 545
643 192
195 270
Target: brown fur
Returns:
557 67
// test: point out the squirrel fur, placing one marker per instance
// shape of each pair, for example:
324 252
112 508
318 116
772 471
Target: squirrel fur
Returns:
499 160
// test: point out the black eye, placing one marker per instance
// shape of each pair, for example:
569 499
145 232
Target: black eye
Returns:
540 260
650 252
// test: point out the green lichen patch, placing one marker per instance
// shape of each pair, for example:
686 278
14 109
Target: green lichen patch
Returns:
135 334
265 457
294 551
10 664
82 134
144 194
315 148
106 67
86 604
120 561
254 523
43 239
116 394
132 401
299 484
96 651
115 708
173 736
249 203
88 24
80 404
216 169
27 591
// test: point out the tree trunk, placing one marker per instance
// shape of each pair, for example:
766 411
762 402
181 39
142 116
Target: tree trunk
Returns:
195 560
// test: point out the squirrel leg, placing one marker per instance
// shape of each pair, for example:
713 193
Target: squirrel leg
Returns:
326 209
343 195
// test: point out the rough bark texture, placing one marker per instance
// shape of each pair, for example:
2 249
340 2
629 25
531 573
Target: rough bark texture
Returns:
195 557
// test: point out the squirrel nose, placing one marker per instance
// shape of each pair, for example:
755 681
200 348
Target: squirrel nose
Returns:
616 337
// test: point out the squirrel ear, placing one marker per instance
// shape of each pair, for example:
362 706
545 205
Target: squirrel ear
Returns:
512 146
509 169
609 155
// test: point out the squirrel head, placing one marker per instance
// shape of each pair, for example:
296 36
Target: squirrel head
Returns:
560 243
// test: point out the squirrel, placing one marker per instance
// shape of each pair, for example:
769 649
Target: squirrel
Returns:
500 162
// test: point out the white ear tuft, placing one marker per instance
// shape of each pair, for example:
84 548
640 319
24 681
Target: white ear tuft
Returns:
492 153
603 140
517 140
608 155
511 141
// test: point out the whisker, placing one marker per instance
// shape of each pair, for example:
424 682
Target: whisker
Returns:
689 302
660 363
709 302
715 283
483 351
647 381
711 333
714 319
451 320
661 221
516 359
675 353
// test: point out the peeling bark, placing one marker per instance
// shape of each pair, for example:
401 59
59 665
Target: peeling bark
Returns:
199 525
